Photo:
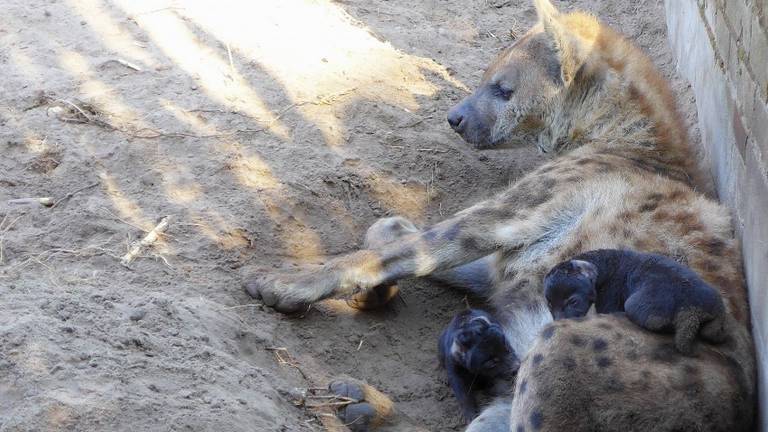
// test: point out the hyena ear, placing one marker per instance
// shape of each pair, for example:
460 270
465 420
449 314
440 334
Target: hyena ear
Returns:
564 42
586 269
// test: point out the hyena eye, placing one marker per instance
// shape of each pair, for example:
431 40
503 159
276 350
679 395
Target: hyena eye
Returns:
502 92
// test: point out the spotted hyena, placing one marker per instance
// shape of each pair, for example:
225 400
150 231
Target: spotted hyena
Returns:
622 176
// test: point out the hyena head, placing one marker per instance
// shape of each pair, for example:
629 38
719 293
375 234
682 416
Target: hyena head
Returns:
523 86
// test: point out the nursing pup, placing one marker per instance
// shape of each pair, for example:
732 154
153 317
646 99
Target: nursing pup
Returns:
656 292
475 353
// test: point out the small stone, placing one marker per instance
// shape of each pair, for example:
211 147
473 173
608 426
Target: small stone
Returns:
137 314
298 394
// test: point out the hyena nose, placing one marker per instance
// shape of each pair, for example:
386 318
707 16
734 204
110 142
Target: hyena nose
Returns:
456 120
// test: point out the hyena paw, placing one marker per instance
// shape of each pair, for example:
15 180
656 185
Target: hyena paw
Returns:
382 232
373 298
279 293
368 409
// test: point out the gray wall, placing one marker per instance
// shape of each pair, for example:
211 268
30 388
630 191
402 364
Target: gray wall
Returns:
722 49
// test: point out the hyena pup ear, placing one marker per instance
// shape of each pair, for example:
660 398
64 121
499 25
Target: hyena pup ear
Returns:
586 269
564 42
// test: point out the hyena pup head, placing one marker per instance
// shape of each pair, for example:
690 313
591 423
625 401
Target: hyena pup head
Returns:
570 289
475 340
522 87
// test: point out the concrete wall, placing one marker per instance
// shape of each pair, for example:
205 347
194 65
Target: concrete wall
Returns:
722 49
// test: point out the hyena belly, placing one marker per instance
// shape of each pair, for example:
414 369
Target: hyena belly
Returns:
519 296
605 373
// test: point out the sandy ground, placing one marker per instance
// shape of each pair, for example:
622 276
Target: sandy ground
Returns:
273 133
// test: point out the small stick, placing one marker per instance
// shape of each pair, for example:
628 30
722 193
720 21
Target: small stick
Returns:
128 64
43 201
333 397
432 150
243 306
360 345
402 298
80 110
231 63
148 240
416 123
329 404
289 362
71 194
125 63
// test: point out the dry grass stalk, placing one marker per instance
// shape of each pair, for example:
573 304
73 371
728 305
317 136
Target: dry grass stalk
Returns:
41 201
152 236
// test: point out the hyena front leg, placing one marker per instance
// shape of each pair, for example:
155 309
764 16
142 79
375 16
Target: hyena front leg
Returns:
467 236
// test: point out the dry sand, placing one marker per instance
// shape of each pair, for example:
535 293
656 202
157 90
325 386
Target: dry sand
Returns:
273 133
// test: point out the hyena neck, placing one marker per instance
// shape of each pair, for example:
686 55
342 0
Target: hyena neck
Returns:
619 103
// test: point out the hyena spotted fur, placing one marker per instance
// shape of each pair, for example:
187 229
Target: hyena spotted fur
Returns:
622 176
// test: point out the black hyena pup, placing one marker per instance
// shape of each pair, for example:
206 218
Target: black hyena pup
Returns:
475 353
656 292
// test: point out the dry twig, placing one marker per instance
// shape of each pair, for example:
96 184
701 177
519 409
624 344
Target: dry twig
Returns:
73 193
148 240
125 63
42 201
284 358
433 150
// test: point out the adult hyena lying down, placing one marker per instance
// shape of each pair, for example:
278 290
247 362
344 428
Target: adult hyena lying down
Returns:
622 177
